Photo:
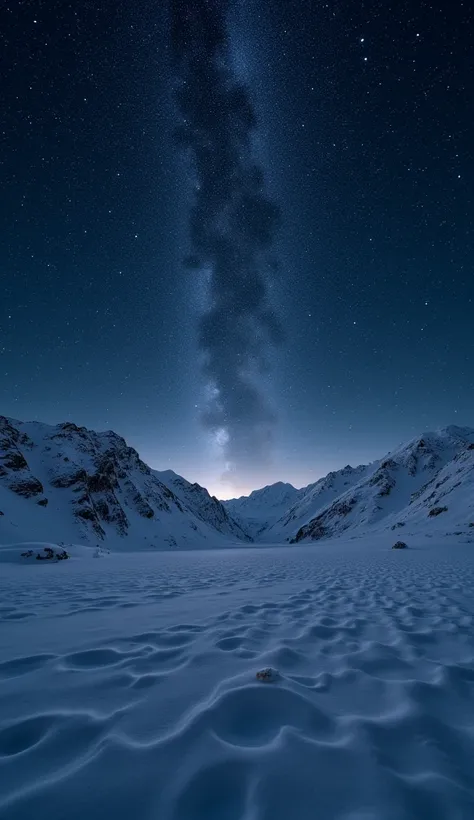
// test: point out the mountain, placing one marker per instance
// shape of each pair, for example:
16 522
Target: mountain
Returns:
67 483
410 487
311 500
206 507
262 508
432 475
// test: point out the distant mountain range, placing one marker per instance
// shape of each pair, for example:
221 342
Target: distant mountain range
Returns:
68 484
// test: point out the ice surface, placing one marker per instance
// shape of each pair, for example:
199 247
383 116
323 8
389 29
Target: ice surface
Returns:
128 684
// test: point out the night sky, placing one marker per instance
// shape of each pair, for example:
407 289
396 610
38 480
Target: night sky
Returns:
263 279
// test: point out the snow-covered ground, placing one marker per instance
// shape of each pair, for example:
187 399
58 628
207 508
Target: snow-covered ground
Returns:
128 684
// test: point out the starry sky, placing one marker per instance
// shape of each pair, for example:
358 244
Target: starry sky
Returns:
354 132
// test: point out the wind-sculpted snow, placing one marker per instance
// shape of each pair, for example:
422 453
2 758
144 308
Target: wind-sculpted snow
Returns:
128 685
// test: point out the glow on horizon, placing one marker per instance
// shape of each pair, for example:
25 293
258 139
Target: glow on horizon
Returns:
212 476
223 491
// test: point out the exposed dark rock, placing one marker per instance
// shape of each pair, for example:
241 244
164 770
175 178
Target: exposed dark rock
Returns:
386 488
28 487
14 460
324 524
87 513
141 505
69 426
102 509
398 524
388 464
343 507
43 502
108 509
48 555
437 511
422 490
101 482
68 479
399 545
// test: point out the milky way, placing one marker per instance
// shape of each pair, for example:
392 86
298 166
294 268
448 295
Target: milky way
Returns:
232 224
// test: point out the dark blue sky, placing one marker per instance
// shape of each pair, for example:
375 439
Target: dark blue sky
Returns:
365 134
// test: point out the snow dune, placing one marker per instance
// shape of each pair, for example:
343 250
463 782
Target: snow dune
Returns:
128 685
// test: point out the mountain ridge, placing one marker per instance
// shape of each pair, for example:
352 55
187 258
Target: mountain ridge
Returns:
67 483
354 499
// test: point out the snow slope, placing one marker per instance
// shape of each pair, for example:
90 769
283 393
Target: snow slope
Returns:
66 483
128 685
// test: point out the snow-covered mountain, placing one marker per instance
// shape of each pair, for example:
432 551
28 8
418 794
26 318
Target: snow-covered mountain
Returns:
405 489
311 499
262 508
410 487
67 483
206 507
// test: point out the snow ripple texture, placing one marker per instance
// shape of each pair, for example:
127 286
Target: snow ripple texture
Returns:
128 689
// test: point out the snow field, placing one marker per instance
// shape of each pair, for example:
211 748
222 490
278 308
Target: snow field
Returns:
128 685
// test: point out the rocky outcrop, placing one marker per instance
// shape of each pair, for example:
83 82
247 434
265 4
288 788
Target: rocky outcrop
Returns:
330 522
46 554
26 487
437 511
15 473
